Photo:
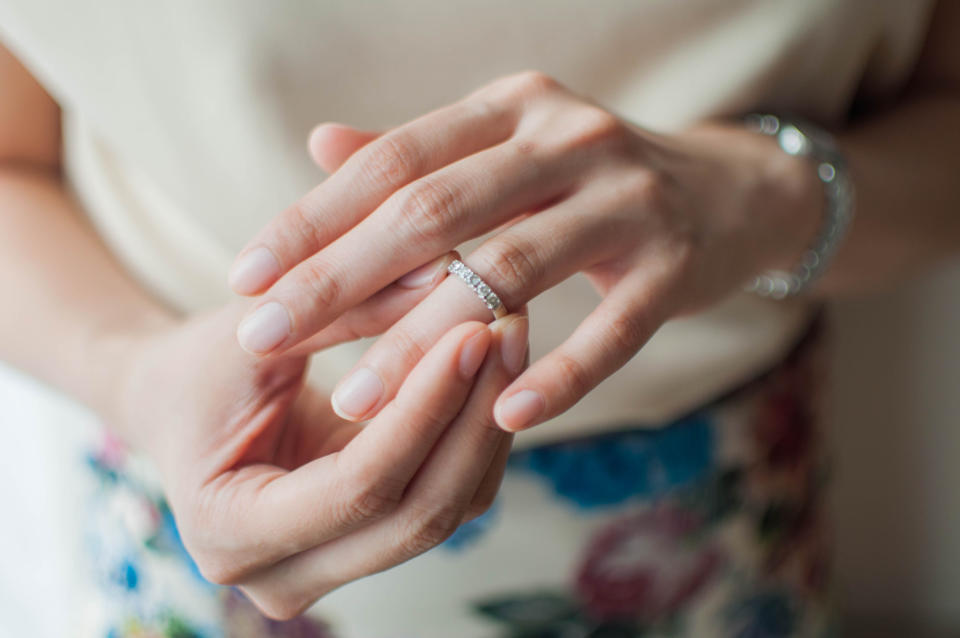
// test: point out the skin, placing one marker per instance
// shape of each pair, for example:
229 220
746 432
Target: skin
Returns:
271 490
662 225
276 493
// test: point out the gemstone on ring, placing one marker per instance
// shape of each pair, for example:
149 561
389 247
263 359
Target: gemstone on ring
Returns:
477 285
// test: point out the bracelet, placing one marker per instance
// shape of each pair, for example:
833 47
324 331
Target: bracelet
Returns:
807 140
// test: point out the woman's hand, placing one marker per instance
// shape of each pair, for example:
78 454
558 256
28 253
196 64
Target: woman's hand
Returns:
661 225
273 492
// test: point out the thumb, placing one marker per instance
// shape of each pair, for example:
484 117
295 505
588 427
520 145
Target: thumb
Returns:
330 144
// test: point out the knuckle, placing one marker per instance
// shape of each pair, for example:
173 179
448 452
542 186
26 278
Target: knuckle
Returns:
276 604
491 108
219 556
511 262
427 420
407 348
519 87
390 161
531 82
479 107
429 528
649 188
371 498
626 333
220 570
480 505
597 127
322 282
303 224
574 377
420 419
428 209
685 248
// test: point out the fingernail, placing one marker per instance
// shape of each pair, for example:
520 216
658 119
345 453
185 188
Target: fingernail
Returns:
424 275
355 396
519 410
265 329
253 271
513 347
473 352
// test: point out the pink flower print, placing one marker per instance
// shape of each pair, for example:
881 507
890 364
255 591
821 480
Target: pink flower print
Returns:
785 430
640 566
113 452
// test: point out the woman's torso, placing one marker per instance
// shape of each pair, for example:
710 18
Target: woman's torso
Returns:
186 125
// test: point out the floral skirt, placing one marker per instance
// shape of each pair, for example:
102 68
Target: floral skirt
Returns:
710 526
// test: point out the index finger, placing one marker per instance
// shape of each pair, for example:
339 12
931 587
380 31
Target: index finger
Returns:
271 513
362 183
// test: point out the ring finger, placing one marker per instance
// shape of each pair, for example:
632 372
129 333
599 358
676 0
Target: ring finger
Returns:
530 257
425 218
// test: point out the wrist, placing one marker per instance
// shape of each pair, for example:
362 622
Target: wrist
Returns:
796 204
775 203
804 139
113 356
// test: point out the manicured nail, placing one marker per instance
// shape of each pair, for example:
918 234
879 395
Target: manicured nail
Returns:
513 347
425 274
253 271
265 329
355 396
472 353
519 410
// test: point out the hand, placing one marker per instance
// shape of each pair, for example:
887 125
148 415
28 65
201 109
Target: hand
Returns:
273 492
661 225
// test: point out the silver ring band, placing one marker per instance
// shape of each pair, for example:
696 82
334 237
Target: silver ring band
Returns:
479 286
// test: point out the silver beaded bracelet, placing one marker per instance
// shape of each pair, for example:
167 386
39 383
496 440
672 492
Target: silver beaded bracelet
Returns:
806 140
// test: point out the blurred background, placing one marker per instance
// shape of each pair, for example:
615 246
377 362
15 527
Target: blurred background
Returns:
895 419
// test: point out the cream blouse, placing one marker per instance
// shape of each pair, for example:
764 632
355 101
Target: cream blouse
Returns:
185 127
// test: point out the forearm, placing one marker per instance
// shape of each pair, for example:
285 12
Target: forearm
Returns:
69 305
904 163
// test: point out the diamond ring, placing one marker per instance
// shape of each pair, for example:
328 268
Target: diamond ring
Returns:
477 285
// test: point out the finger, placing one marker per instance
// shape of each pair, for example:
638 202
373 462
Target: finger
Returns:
324 434
517 264
278 514
365 180
486 493
603 342
435 503
331 143
489 486
380 311
426 218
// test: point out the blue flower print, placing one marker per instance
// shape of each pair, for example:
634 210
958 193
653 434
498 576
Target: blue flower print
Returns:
636 464
766 614
471 531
